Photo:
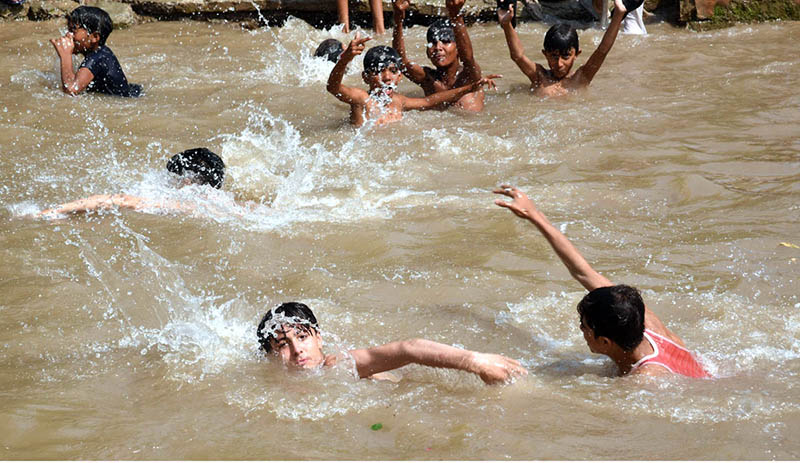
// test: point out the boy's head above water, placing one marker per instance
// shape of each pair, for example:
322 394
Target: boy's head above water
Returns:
202 164
330 49
441 49
291 332
382 67
561 48
94 21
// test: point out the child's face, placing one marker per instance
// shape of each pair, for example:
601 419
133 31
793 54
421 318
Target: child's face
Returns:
387 78
83 40
560 63
298 347
442 53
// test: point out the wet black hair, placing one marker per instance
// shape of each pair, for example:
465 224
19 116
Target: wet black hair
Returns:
330 49
92 19
378 58
201 161
441 30
296 313
560 38
616 312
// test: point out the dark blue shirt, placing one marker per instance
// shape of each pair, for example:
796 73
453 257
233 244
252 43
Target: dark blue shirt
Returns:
108 75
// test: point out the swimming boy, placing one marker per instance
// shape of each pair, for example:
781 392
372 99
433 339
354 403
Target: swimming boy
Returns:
449 49
291 332
382 74
88 28
560 49
198 166
613 318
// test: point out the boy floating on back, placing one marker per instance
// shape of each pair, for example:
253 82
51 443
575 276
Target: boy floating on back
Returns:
561 49
382 72
448 48
291 332
613 318
88 28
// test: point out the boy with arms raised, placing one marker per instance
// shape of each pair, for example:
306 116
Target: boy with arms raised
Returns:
448 48
382 74
88 28
613 318
290 331
561 49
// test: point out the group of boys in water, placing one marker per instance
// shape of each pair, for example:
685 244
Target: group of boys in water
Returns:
613 318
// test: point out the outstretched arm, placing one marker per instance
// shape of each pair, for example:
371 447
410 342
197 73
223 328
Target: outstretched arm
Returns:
413 71
523 207
463 43
72 83
492 368
97 202
524 64
588 70
448 96
350 95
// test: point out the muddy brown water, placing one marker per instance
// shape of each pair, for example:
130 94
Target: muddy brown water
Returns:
128 335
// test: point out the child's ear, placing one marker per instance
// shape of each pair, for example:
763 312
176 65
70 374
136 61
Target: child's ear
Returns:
577 53
95 36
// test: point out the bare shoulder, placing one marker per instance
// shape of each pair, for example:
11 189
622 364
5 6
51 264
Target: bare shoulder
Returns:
654 324
651 369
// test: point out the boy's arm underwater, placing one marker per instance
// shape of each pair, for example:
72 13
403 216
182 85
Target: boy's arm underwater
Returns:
413 71
587 71
350 95
492 368
447 96
515 49
578 267
72 83
99 202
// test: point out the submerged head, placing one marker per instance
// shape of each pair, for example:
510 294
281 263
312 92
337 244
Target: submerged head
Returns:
203 166
90 27
612 314
291 332
330 49
561 48
382 67
441 49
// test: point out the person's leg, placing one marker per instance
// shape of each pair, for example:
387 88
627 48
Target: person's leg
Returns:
344 14
377 16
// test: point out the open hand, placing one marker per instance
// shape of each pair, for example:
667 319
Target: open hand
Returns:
494 368
521 205
64 45
356 46
488 81
505 16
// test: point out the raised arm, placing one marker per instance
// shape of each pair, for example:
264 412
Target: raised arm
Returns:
492 368
413 71
72 83
523 207
463 43
515 49
350 95
588 70
448 96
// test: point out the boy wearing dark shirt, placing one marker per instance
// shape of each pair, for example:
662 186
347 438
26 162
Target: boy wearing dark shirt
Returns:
88 28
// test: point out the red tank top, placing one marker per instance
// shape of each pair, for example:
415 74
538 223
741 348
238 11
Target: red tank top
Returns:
672 357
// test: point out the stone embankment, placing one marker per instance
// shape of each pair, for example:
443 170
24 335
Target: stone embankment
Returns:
697 14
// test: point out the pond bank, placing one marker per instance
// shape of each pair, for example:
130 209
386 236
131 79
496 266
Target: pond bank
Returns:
694 14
